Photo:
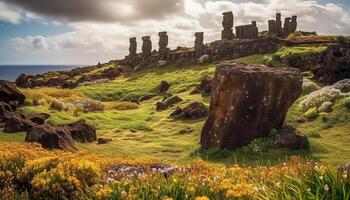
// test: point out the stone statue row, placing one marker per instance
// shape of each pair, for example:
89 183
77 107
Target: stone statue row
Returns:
163 45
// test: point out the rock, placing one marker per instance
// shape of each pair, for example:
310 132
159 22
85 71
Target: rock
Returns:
163 86
39 118
203 59
147 97
167 96
162 63
8 92
198 44
194 110
204 87
22 81
81 131
16 122
247 102
290 137
333 66
13 104
168 103
51 137
4 107
103 140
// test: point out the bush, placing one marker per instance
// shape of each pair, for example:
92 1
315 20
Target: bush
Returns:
347 103
57 105
260 145
311 114
309 86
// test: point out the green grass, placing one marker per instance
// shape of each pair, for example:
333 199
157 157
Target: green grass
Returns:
147 133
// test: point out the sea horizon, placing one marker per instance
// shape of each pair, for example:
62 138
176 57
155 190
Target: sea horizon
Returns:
11 71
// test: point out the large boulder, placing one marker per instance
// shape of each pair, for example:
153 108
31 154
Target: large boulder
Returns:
247 102
16 122
81 131
290 137
4 107
9 92
51 137
22 81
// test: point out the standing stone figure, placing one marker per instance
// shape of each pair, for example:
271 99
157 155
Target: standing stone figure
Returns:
146 46
227 23
133 46
198 44
163 44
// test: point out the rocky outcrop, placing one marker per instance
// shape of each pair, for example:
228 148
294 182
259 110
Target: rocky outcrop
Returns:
333 64
51 137
168 103
81 131
9 92
198 44
247 102
291 138
204 87
16 122
194 110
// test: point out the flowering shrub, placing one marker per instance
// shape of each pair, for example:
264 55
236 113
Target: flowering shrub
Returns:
308 86
29 172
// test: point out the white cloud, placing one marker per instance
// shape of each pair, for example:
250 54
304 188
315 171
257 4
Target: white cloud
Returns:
9 13
91 42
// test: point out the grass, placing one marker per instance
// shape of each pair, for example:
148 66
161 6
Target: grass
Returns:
142 132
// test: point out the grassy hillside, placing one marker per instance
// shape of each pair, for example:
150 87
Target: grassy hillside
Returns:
142 132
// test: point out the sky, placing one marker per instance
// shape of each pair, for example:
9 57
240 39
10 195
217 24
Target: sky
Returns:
92 31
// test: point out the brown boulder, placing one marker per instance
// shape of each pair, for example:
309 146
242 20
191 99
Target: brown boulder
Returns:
22 81
39 118
81 131
4 107
194 110
204 87
163 86
51 137
16 122
290 137
103 140
247 102
168 103
9 92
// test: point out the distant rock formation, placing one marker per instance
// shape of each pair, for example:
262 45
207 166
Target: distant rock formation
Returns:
249 31
247 102
289 26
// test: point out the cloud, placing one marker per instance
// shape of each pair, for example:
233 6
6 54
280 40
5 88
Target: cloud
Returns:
100 10
9 13
101 28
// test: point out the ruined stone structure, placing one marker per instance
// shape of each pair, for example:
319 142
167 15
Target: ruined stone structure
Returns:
227 23
289 26
249 31
163 44
198 44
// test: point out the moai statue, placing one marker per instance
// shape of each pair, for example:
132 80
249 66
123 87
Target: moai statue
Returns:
279 24
198 44
294 23
163 44
146 46
227 23
287 26
133 46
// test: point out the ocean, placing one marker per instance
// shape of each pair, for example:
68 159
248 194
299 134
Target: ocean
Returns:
11 72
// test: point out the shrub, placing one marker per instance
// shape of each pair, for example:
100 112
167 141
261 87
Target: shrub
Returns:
260 145
88 105
57 105
317 98
325 107
309 86
347 103
311 114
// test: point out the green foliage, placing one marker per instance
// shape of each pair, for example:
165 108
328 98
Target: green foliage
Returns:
346 103
57 105
260 145
311 113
